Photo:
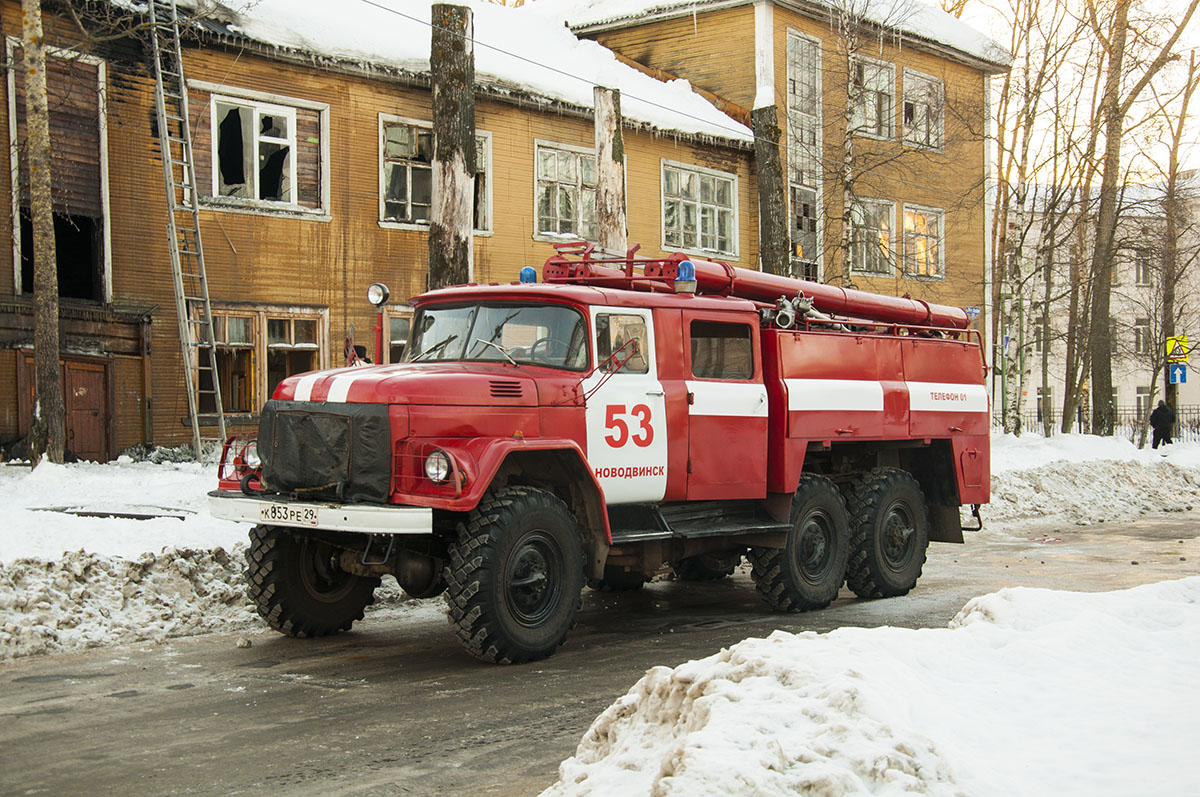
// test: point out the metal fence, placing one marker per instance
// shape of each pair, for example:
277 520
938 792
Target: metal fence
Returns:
1129 423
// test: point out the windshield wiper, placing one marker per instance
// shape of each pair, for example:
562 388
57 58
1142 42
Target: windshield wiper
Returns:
441 344
500 349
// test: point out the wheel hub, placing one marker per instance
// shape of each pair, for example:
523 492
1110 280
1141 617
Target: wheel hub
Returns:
813 554
533 579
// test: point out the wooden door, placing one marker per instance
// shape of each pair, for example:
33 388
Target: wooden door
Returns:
85 399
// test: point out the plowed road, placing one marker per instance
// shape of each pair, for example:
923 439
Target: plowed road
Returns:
396 707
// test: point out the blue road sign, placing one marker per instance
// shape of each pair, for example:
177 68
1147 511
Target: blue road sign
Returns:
1177 373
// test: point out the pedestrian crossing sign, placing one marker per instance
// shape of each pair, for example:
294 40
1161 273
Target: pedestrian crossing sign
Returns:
1177 349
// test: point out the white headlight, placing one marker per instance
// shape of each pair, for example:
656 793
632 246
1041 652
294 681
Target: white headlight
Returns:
251 455
437 466
377 294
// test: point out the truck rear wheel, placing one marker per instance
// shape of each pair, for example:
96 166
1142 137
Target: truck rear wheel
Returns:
808 572
298 586
712 566
889 532
515 576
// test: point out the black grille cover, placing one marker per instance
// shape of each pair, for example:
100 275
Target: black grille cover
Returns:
326 450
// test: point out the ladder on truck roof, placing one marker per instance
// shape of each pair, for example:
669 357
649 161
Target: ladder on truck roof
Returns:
192 306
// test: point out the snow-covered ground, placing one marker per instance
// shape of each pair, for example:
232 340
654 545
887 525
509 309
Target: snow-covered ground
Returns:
1027 692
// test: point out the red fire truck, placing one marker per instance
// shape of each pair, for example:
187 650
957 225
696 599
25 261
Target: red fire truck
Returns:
618 417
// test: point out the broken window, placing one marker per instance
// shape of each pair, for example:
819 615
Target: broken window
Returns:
566 191
698 208
256 349
923 113
234 336
407 174
255 152
76 140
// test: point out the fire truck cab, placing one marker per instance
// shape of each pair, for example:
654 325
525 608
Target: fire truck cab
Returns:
615 419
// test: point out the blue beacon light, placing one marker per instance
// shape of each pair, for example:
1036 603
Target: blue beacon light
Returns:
528 275
685 277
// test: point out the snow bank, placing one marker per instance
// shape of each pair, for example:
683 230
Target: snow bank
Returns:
1027 692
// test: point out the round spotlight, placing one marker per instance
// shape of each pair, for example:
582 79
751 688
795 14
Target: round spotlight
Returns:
377 294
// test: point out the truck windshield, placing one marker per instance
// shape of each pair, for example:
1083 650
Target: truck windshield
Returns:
533 334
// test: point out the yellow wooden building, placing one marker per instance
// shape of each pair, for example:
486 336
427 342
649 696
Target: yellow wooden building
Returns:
292 241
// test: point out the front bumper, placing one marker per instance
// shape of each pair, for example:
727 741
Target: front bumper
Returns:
280 511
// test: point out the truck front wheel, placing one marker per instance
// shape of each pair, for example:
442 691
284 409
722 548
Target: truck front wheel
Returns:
299 588
808 572
515 576
889 532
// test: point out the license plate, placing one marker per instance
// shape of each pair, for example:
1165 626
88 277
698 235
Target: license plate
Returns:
288 513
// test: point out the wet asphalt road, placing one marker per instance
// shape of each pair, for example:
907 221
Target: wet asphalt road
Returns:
396 707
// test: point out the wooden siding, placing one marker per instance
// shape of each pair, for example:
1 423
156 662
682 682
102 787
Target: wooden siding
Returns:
324 260
714 50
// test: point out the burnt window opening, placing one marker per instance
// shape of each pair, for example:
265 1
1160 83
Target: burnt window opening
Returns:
255 152
77 244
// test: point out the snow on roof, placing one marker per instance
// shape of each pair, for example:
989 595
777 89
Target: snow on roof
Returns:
912 17
515 52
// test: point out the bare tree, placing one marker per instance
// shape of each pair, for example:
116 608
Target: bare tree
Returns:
48 430
1121 90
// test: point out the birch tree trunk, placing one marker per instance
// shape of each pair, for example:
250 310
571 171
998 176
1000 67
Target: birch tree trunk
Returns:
48 431
452 65
611 217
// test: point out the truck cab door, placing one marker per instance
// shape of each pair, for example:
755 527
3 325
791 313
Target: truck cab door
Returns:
727 407
626 408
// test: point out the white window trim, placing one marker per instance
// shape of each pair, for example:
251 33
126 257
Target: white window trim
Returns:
485 156
1143 278
891 208
388 314
819 188
259 206
891 116
12 43
662 198
260 313
941 128
551 237
903 260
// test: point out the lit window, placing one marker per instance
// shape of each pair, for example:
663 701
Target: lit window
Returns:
871 98
923 231
871 236
698 209
923 109
566 191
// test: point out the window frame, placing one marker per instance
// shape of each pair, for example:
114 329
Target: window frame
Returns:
483 163
855 246
575 149
858 111
707 318
1141 336
941 242
260 315
390 313
1143 271
913 76
1144 400
238 95
795 117
701 172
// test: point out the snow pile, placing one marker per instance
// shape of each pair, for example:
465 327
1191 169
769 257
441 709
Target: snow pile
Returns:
84 599
1028 691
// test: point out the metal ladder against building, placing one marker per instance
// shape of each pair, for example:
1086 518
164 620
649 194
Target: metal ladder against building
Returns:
192 305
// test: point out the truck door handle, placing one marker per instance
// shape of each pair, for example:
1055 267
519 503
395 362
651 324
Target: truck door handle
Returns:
655 393
955 429
844 431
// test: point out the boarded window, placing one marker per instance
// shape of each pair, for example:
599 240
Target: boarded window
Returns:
721 350
75 180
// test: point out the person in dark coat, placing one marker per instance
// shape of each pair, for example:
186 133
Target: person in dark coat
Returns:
1162 420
